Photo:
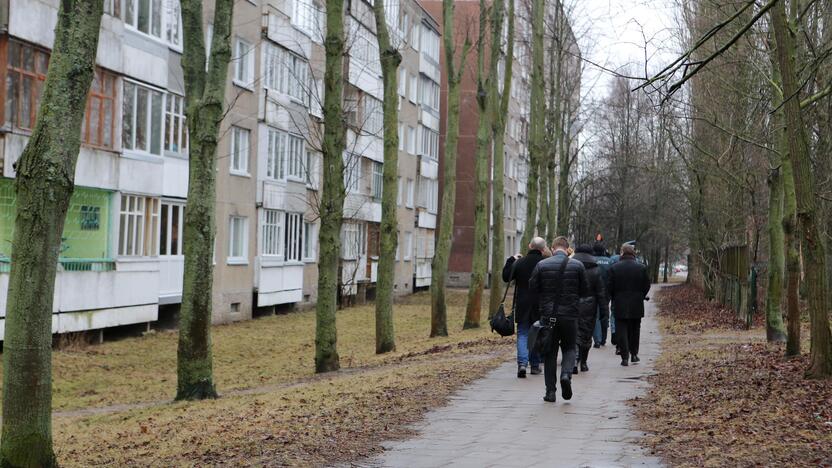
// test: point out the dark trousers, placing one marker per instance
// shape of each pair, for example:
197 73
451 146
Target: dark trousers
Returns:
565 337
627 332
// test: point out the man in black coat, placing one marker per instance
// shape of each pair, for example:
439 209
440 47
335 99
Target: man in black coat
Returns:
519 269
595 300
628 284
558 283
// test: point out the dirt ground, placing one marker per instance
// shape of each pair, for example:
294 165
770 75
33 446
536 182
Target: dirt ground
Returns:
722 396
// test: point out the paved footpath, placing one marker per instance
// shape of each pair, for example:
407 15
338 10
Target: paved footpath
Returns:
502 421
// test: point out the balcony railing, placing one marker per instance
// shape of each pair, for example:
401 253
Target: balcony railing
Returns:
71 264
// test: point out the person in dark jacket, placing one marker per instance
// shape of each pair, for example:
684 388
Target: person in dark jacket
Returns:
519 269
558 283
602 258
628 284
595 299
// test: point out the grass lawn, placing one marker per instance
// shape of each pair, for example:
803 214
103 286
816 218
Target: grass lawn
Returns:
266 351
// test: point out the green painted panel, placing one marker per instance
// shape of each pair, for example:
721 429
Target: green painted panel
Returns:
87 228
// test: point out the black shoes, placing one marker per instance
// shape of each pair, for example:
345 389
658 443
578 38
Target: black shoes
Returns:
551 396
584 367
536 370
596 345
575 370
521 372
635 359
624 362
566 388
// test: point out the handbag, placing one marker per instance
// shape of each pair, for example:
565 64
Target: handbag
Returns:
542 332
500 323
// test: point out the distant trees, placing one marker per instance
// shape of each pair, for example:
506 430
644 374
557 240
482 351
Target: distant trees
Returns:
45 180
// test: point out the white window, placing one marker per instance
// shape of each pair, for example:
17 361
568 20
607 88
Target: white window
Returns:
295 158
171 228
429 93
398 244
145 16
312 170
276 155
353 240
238 240
138 226
174 23
352 172
305 17
409 193
401 137
402 82
364 48
176 130
271 233
414 88
430 44
240 138
400 191
428 191
414 36
293 241
404 23
411 140
141 129
408 245
243 62
373 116
309 242
430 143
378 180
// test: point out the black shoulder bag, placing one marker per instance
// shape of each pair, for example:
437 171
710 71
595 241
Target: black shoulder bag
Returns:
501 324
541 333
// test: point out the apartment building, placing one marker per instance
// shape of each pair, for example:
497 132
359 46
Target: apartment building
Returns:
122 260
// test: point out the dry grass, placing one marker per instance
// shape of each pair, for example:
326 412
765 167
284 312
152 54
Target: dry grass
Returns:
722 396
267 351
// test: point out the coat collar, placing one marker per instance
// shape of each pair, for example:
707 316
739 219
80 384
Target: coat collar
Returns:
534 252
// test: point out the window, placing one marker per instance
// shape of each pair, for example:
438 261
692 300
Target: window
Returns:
364 48
138 226
286 155
409 193
411 140
352 172
428 191
112 8
141 128
429 94
145 16
293 241
408 245
378 180
400 191
237 240
402 82
430 143
287 73
401 137
430 44
171 228
373 116
309 242
312 170
174 23
305 17
176 132
272 233
24 83
353 240
98 127
243 63
240 138
414 88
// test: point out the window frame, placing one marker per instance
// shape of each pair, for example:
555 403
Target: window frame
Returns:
145 239
147 152
241 259
166 240
233 150
243 63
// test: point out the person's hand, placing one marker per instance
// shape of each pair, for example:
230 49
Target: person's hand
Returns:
518 256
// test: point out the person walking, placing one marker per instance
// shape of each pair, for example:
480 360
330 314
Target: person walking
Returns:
594 301
628 285
558 283
602 324
519 269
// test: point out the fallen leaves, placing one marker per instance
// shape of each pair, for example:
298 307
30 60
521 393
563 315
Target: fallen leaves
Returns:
729 398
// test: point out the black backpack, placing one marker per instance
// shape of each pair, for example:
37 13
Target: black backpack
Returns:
501 324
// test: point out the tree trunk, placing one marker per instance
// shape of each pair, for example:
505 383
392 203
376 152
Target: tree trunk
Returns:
44 185
332 201
485 103
205 95
499 128
666 261
812 243
555 160
439 265
536 119
390 60
792 260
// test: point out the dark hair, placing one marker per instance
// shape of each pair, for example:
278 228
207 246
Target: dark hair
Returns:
598 249
584 248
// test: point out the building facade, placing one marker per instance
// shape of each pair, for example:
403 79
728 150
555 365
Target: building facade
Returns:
121 259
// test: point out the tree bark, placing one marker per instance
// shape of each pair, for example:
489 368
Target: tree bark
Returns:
499 128
205 95
812 243
555 162
390 60
485 103
536 118
332 200
44 184
439 265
